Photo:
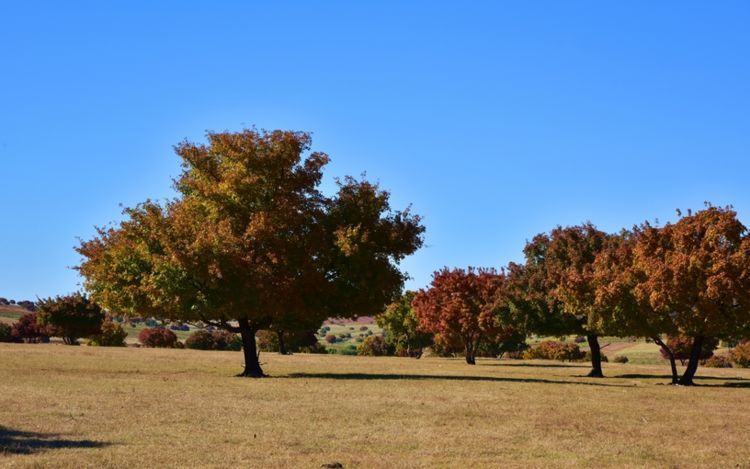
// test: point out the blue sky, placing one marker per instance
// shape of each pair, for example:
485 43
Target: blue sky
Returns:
496 120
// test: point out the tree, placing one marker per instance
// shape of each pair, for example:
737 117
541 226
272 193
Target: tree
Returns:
552 294
401 326
697 274
459 305
616 307
70 316
251 242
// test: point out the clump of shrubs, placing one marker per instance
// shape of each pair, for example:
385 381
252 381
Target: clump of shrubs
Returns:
158 337
620 359
579 339
364 328
718 361
27 330
741 355
331 339
375 346
213 340
111 334
555 350
316 347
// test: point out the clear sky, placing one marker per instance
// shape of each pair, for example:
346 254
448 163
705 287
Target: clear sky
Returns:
496 120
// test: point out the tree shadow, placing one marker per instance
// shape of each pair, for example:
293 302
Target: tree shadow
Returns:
20 442
535 365
498 379
743 381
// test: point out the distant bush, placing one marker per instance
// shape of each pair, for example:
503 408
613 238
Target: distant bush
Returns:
349 349
5 335
579 339
179 327
718 361
157 337
151 323
111 335
317 347
620 359
554 350
216 340
28 330
515 355
741 355
682 345
27 305
331 339
364 328
375 346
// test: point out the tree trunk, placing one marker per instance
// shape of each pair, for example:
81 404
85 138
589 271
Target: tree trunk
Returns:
695 355
250 350
596 357
282 345
668 351
469 352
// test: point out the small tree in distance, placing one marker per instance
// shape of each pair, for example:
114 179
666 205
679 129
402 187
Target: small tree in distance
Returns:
401 326
70 317
459 305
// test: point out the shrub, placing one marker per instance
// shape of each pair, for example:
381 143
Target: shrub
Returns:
681 346
317 347
157 337
331 339
579 339
364 328
741 355
514 355
200 340
587 357
28 330
555 350
225 340
719 361
110 334
27 305
349 349
71 317
375 346
620 359
5 335
216 340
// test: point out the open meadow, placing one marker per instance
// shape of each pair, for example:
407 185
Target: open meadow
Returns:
136 407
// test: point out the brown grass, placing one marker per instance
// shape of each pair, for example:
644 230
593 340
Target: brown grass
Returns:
110 407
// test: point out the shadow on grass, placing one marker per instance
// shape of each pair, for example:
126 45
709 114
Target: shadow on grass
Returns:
20 442
535 365
498 379
743 381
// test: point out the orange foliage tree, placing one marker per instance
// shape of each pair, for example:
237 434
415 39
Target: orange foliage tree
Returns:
251 243
459 306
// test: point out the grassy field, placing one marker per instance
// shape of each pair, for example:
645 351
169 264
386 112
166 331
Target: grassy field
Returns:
113 407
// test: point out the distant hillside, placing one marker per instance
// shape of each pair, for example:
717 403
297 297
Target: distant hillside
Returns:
11 313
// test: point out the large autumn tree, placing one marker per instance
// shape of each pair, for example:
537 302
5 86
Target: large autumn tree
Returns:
551 293
459 305
251 242
617 309
696 274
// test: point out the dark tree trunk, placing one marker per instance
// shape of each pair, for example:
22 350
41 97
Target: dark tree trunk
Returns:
250 350
596 356
695 355
469 350
282 344
70 341
668 351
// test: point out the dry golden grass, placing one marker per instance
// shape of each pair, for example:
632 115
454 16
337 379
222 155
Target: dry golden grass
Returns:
109 407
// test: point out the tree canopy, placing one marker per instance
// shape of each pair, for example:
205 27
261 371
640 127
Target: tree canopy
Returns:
251 242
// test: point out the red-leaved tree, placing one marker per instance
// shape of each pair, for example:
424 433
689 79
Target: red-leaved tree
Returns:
460 305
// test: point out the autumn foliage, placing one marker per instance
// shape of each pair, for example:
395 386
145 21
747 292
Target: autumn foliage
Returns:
459 307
